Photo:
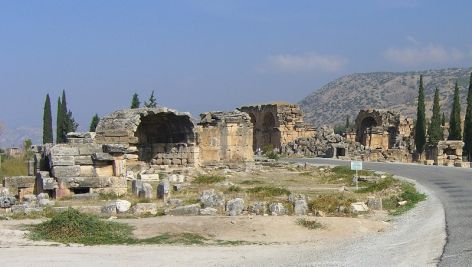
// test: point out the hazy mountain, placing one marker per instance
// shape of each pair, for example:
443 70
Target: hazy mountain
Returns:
14 137
389 90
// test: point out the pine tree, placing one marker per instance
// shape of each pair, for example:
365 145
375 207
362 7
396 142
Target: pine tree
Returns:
59 122
135 101
151 102
94 123
468 123
455 117
443 119
420 127
435 131
47 122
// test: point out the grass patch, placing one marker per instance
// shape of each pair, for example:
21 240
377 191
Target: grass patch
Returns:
234 189
13 167
208 179
108 196
310 224
72 226
331 203
268 191
251 182
409 194
378 185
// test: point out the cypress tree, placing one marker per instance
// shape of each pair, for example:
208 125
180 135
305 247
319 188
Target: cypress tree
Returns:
135 101
94 123
434 130
443 119
151 102
455 118
420 127
47 122
348 124
468 123
59 121
68 123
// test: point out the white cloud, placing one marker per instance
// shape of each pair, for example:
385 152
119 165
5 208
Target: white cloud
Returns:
431 53
304 63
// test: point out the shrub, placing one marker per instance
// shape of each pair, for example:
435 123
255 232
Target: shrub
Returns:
208 179
310 224
379 185
331 203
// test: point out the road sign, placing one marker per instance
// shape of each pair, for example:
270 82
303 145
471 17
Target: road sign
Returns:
356 165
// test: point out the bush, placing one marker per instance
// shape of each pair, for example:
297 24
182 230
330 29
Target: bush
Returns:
71 226
268 151
208 179
268 191
409 194
331 203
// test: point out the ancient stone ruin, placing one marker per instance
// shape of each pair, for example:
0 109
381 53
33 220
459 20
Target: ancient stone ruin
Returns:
277 124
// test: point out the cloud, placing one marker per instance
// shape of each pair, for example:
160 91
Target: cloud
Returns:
431 53
311 62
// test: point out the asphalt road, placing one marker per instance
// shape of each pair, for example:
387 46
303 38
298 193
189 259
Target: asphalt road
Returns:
453 186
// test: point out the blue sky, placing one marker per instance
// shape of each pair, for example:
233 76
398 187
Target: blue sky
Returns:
211 55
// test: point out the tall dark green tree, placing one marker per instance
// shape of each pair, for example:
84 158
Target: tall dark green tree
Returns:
420 127
59 122
67 122
443 119
47 122
151 103
455 132
468 123
135 101
435 131
94 123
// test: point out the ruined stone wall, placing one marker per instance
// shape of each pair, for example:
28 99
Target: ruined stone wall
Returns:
277 124
225 137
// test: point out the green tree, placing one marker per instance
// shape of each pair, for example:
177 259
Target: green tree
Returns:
455 117
435 131
135 101
67 122
468 123
47 122
443 119
94 123
151 103
420 127
59 122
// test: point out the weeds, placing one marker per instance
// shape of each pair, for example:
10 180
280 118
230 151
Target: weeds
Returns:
268 191
234 189
310 224
377 186
208 179
251 182
409 194
332 203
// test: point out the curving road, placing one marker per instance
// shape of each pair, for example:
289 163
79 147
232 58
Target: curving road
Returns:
453 186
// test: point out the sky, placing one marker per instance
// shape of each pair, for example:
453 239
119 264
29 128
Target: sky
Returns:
207 55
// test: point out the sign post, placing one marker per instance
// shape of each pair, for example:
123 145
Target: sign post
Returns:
356 166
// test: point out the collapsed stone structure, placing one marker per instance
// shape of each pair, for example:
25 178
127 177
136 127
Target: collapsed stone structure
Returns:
138 143
446 153
277 124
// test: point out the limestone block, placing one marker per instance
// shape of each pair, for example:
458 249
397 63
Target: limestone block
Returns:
64 150
49 183
189 210
102 157
83 160
19 181
56 160
65 171
87 170
144 208
136 187
89 149
104 170
122 206
115 148
235 207
131 157
146 191
277 209
300 207
109 208
208 211
149 177
163 190
212 199
258 208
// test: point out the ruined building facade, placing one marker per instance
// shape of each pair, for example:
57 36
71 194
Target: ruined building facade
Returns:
137 144
277 124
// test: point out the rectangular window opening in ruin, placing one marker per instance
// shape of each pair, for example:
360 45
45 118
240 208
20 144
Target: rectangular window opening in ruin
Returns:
340 152
80 190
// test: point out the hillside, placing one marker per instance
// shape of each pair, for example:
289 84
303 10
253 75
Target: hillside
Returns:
388 90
